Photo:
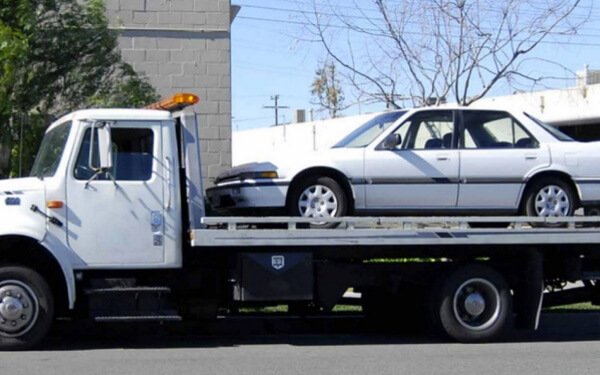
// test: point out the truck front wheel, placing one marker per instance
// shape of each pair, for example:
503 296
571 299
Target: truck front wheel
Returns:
26 308
472 304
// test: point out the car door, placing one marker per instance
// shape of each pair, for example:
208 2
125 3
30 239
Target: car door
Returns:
421 172
117 218
497 153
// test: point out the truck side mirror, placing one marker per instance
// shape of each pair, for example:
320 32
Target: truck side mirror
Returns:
105 147
391 141
102 147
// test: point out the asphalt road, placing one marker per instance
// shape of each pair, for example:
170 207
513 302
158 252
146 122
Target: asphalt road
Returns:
565 344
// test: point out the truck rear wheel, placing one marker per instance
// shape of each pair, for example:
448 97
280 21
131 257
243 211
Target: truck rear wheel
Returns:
26 308
472 304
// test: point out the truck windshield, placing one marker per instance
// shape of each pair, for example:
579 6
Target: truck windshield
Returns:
51 150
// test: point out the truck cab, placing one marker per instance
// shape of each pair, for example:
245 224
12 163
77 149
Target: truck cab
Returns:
104 193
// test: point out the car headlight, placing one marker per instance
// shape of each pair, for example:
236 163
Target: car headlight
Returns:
248 176
255 175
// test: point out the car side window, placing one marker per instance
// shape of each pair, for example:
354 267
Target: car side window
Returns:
495 129
132 155
429 130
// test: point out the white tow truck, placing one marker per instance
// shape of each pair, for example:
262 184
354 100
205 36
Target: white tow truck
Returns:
111 226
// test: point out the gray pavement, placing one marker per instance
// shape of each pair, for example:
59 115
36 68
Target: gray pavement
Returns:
565 344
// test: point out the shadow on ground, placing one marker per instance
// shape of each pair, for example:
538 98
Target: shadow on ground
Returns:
316 331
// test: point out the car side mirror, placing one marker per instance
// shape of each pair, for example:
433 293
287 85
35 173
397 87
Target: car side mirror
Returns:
391 141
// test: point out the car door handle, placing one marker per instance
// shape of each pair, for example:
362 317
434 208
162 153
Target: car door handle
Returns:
442 157
530 156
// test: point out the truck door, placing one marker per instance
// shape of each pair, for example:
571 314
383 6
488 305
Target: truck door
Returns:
117 217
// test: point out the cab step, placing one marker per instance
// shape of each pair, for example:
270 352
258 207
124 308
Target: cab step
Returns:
166 316
126 302
135 289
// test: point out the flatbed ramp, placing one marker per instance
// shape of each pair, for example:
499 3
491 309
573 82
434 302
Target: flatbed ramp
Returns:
399 231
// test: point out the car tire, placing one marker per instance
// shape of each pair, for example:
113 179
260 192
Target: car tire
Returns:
471 304
316 197
549 197
27 308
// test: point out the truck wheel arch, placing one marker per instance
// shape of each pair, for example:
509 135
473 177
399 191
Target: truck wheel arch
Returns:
28 252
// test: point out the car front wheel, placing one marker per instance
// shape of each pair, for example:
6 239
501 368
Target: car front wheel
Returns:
318 197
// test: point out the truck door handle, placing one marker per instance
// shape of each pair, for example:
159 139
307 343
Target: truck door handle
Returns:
169 182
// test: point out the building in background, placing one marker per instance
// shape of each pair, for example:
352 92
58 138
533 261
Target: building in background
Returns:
184 46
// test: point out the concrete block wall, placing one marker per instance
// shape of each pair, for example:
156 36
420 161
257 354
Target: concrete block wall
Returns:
184 45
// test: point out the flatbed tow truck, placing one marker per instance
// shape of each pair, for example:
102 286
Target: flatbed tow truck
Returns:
112 227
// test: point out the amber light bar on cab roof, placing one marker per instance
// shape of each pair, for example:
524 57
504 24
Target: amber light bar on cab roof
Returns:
175 102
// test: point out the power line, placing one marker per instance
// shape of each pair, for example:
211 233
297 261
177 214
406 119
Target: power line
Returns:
373 19
287 22
320 10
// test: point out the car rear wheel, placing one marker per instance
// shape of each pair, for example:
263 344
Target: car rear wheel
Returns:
318 197
550 197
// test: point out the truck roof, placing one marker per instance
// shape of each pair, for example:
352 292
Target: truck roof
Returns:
131 114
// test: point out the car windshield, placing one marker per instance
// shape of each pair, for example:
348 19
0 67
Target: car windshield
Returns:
367 132
51 150
551 129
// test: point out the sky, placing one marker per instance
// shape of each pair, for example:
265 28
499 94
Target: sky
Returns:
271 55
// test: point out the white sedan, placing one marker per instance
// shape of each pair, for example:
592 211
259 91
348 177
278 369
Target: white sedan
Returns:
426 162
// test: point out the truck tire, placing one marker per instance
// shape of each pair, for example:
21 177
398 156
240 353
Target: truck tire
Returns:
316 197
26 308
472 304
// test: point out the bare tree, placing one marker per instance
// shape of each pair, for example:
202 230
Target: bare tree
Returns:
427 50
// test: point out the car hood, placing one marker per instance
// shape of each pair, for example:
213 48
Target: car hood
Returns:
242 169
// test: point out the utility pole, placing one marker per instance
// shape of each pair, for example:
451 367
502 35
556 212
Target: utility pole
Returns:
275 98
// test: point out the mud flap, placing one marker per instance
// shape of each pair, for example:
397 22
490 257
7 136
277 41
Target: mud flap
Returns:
529 292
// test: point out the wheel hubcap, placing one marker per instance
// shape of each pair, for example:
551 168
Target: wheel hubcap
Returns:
552 200
476 304
18 308
318 201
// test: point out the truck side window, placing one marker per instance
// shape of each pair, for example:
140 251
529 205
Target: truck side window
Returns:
132 153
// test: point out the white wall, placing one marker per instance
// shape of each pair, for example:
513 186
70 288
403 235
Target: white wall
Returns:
259 144
572 106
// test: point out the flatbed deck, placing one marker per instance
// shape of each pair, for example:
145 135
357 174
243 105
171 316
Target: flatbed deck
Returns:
390 231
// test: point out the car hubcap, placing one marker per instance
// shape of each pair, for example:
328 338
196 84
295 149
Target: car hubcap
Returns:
18 308
318 201
552 200
476 304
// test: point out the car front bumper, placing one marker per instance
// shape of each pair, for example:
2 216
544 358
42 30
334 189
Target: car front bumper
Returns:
248 195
